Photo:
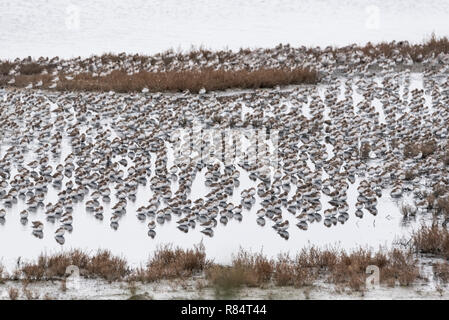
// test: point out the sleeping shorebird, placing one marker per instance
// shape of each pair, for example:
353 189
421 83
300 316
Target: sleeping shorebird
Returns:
152 225
60 232
24 214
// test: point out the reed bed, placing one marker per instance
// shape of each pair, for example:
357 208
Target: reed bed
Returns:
178 81
441 272
172 263
312 264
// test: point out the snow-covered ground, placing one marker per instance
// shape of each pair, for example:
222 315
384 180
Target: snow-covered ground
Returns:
71 28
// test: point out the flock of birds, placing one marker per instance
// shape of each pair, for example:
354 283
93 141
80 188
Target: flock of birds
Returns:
347 60
351 131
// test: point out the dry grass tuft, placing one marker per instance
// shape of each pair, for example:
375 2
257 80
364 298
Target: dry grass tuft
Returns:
292 272
107 266
194 81
400 266
30 295
31 68
350 269
13 293
227 281
441 271
5 67
338 267
246 269
432 240
103 265
426 148
169 263
395 265
257 268
284 272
